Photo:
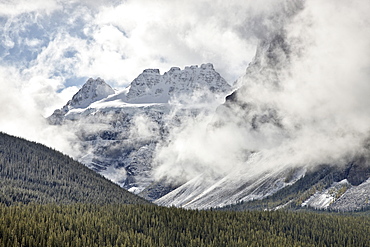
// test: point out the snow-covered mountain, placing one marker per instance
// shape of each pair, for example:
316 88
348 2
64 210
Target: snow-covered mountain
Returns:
119 131
253 157
270 176
325 187
152 87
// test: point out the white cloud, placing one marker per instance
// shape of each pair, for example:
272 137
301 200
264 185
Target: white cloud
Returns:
49 43
17 7
22 116
322 101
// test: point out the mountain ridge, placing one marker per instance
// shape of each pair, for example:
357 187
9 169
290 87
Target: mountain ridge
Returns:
134 120
32 172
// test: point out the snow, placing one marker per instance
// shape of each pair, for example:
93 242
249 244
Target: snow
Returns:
203 193
320 200
355 198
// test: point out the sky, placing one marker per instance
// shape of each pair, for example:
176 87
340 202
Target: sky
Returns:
48 49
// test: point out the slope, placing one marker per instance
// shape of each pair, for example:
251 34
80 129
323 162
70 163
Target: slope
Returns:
31 172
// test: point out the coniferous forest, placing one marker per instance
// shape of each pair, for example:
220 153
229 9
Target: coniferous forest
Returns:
30 172
149 225
48 199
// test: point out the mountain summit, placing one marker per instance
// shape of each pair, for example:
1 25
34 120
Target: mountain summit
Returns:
91 91
152 87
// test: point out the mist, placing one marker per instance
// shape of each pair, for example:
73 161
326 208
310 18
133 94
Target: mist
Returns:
306 106
48 50
309 108
22 116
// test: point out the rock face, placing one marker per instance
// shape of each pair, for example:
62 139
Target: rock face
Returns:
152 87
91 91
119 131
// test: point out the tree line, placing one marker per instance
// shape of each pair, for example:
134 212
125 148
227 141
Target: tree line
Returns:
149 225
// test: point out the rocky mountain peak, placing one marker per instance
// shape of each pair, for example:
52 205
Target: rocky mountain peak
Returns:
152 87
151 71
207 66
91 91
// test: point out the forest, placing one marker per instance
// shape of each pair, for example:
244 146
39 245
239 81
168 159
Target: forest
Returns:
48 199
150 225
31 172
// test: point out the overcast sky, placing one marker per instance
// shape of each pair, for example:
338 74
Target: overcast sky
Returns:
49 48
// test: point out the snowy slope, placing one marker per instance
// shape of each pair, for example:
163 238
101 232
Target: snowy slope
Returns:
237 186
325 198
354 198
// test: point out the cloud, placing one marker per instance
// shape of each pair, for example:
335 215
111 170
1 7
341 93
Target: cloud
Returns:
13 8
312 107
21 115
144 128
325 90
165 34
322 100
134 35
194 148
50 48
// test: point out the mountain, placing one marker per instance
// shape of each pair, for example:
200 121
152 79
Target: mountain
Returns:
254 163
262 179
250 114
119 132
152 87
326 187
31 172
91 91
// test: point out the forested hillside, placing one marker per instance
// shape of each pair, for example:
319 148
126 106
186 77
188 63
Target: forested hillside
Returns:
31 172
149 225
